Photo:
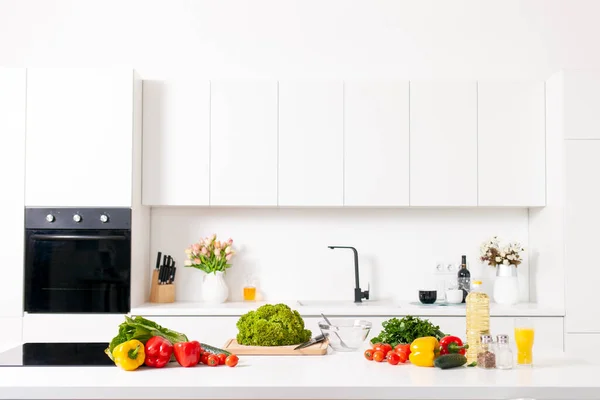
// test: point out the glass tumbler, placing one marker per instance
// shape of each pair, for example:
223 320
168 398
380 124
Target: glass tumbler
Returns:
524 337
250 288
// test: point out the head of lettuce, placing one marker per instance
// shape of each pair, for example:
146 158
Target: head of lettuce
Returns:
272 325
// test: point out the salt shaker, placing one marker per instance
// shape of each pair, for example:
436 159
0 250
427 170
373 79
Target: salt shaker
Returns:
486 358
504 355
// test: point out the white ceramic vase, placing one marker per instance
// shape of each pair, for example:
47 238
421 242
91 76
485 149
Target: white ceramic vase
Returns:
506 285
214 288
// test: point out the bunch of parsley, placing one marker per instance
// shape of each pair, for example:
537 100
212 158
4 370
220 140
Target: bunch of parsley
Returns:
407 329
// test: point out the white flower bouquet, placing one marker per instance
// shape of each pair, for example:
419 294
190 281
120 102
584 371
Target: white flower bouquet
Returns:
492 253
210 255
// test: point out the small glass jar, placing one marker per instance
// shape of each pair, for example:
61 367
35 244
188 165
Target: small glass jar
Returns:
504 355
486 357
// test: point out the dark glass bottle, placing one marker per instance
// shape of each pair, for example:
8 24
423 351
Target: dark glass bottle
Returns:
464 278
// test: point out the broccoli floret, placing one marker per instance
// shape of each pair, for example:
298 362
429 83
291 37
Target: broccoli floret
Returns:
272 325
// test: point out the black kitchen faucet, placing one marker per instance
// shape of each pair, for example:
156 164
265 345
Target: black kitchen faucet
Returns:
358 293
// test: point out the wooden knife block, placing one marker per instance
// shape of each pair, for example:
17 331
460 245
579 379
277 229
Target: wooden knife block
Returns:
161 293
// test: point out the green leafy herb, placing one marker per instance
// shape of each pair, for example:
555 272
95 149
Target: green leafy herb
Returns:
272 325
473 364
142 329
405 330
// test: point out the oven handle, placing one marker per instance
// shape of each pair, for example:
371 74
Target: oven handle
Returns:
78 237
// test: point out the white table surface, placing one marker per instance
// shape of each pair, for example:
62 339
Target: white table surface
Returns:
335 376
382 308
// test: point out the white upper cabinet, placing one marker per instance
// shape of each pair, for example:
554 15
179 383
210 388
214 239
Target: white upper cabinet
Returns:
311 143
243 143
79 137
12 181
582 104
582 218
376 143
511 140
443 144
176 142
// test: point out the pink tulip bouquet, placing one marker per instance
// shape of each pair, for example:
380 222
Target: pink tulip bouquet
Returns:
210 255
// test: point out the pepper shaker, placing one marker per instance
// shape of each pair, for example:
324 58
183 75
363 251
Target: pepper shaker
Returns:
486 358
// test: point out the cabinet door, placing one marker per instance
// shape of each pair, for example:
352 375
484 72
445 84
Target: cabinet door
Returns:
243 160
582 104
79 137
578 345
582 218
311 165
12 180
443 144
376 141
11 332
511 141
176 143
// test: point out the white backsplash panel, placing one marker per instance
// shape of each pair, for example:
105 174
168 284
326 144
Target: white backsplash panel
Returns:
286 249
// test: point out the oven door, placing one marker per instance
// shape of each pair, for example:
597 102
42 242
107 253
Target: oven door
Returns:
77 271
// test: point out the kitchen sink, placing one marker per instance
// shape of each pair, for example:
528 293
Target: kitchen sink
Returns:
345 303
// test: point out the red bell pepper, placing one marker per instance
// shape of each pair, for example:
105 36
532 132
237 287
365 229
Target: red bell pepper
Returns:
158 352
452 344
188 354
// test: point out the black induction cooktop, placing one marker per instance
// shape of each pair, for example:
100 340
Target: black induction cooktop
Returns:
56 355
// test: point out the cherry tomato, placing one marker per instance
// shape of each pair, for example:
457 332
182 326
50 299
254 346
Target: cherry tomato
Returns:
386 348
393 358
369 354
212 360
222 357
378 356
403 348
204 358
402 356
376 344
232 360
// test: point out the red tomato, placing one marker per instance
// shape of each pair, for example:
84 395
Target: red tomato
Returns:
403 348
402 356
212 360
222 357
376 344
204 358
393 358
232 360
369 354
378 356
386 348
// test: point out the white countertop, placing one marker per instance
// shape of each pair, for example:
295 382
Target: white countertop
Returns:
339 308
335 376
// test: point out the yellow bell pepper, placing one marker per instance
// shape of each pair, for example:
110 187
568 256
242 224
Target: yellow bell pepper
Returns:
129 355
423 351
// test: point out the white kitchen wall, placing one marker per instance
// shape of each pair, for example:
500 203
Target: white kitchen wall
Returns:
469 39
287 248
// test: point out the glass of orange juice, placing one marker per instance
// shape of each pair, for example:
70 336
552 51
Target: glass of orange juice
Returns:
250 289
524 335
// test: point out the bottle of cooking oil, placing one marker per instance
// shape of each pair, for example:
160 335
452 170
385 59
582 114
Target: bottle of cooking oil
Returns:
478 319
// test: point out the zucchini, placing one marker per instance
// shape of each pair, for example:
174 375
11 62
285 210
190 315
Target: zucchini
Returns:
213 349
450 361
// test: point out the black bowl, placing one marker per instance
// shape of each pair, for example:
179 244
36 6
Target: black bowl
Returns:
427 296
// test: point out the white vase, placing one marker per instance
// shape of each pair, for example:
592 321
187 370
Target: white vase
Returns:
506 285
214 288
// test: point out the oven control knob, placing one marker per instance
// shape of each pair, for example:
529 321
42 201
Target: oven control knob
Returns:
104 218
77 218
50 218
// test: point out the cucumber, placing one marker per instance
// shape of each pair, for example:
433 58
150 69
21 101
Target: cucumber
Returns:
450 361
214 350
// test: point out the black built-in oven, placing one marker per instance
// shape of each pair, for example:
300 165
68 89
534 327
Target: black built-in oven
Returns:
77 260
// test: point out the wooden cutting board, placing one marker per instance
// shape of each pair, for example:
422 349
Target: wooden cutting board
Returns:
318 349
